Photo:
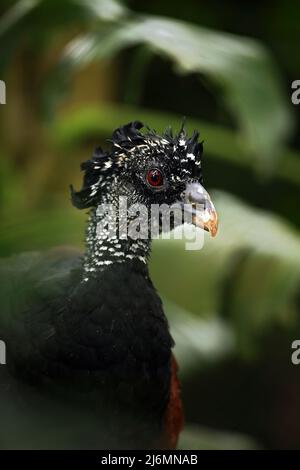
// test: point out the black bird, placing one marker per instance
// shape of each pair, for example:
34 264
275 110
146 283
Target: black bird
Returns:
89 352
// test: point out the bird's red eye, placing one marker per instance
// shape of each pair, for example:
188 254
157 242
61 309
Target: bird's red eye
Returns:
155 178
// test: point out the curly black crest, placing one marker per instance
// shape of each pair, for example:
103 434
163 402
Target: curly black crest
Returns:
128 145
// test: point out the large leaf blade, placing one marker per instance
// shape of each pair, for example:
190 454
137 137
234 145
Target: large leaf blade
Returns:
241 67
250 272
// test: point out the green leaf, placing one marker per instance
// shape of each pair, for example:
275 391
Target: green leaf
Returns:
250 272
16 13
240 67
73 128
109 10
33 21
240 70
200 438
265 282
198 341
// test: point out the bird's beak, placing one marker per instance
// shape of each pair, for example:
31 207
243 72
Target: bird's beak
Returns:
197 203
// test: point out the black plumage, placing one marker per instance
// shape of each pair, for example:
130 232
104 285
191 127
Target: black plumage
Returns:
89 346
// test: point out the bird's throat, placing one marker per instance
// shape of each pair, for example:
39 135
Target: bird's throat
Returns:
105 247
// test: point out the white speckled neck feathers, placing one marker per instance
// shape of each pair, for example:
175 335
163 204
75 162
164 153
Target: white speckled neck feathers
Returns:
103 249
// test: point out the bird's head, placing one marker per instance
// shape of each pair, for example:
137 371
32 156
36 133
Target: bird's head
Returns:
150 169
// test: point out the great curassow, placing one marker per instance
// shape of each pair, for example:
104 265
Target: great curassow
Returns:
89 352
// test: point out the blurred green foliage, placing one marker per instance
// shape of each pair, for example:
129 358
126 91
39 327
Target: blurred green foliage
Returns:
77 69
